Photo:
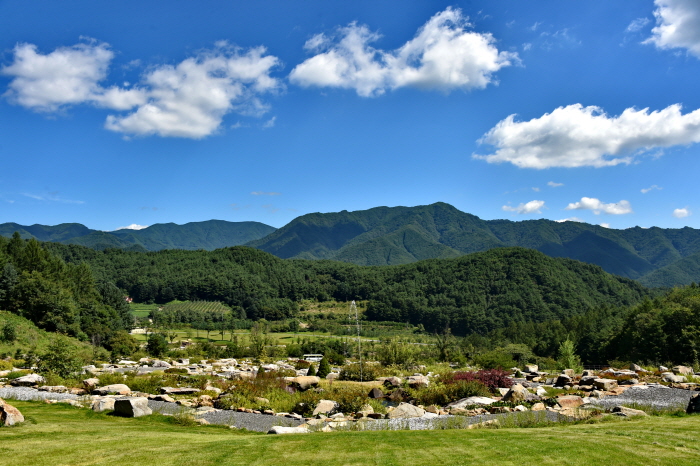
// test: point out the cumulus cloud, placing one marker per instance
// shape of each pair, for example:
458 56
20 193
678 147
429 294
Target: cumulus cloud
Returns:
677 25
650 188
66 76
188 100
570 219
526 208
605 225
681 213
443 55
591 203
578 136
553 184
133 226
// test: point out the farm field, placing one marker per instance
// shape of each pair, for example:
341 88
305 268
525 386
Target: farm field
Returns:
63 435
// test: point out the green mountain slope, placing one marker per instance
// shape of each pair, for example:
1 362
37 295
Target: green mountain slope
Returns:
682 272
209 235
399 235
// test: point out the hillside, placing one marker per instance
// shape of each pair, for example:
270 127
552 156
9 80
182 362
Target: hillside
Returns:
208 235
400 235
476 292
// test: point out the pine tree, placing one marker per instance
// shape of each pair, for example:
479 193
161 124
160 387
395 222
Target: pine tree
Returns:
324 368
311 370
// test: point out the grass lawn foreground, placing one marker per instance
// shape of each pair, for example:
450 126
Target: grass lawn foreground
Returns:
63 435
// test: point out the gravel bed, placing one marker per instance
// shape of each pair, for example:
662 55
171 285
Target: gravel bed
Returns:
250 421
32 394
654 396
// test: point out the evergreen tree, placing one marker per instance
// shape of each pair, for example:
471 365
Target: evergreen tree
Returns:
311 370
324 368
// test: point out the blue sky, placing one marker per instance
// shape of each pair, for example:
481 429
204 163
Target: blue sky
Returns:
143 112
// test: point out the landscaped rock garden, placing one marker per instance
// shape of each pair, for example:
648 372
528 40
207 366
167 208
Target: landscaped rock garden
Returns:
243 395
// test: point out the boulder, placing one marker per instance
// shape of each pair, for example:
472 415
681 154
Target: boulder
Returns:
165 398
672 378
406 410
627 412
636 368
179 391
682 370
538 407
305 382
562 380
471 401
289 430
132 407
518 394
114 389
9 415
365 411
162 364
91 383
28 380
570 401
393 382
418 381
399 395
531 368
103 404
693 404
605 384
663 369
375 394
568 372
325 407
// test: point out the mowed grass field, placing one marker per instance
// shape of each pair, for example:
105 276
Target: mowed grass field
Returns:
63 435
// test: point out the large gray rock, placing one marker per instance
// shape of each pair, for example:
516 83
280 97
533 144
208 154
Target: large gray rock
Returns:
531 368
682 370
518 394
288 430
162 364
179 391
605 384
132 407
471 401
103 404
28 380
406 410
671 378
9 415
305 382
393 382
114 389
627 412
562 380
325 407
418 381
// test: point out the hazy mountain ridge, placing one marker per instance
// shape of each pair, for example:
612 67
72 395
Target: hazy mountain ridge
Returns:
209 235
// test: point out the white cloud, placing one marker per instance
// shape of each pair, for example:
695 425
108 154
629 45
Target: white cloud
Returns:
66 76
188 100
570 219
537 190
637 24
265 193
682 213
553 184
578 136
527 208
650 188
442 55
591 203
605 225
677 25
52 197
133 226
270 123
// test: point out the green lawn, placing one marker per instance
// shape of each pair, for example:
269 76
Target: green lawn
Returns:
63 435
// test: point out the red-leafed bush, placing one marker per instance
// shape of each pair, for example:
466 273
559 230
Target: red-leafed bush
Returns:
492 378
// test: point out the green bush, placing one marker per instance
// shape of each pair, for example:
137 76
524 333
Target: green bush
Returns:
495 360
5 365
441 394
311 371
357 372
324 368
60 359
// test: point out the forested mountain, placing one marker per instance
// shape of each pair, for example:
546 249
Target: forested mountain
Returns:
208 235
473 293
400 235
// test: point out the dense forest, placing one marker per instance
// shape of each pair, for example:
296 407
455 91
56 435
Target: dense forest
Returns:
59 296
474 293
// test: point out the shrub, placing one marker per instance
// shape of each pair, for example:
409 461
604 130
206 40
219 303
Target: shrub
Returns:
324 368
5 365
60 359
443 393
157 344
491 379
311 371
357 372
495 360
301 364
